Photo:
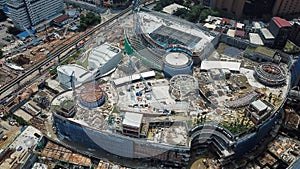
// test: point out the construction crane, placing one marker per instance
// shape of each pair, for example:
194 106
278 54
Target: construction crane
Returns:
65 32
148 88
135 4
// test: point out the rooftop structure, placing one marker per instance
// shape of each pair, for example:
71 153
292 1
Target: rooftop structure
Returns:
155 36
213 107
177 63
255 39
266 33
104 58
280 22
65 73
259 105
133 120
170 9
134 77
233 66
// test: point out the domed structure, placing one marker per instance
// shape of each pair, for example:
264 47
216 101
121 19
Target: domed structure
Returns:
177 63
91 95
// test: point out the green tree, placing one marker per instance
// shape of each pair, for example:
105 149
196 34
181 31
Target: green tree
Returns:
2 16
13 30
206 12
90 19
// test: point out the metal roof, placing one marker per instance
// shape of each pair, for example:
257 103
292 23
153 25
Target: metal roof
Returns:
255 39
280 22
266 33
259 105
234 66
133 119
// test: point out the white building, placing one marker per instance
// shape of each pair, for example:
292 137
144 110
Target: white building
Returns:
28 13
103 59
80 74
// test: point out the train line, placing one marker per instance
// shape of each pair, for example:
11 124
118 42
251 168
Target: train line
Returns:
59 51
62 49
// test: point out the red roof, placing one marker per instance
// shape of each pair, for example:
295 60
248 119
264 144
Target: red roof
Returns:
61 18
225 20
240 33
280 22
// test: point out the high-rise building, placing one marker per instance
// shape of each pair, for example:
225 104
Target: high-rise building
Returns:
295 34
2 3
284 7
28 13
280 29
258 8
230 6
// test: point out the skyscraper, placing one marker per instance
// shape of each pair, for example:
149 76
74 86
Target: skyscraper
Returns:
280 29
28 13
230 6
284 7
258 8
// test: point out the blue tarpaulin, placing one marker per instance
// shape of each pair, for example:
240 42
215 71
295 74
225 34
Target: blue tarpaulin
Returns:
24 35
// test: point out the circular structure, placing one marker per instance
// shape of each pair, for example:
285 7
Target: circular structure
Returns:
181 86
177 63
270 74
91 95
176 59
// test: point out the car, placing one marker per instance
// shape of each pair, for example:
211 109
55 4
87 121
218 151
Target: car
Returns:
19 148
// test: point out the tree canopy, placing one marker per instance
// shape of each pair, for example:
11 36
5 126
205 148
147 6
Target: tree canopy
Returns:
2 16
90 19
13 30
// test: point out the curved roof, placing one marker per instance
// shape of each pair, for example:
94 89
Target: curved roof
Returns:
102 54
81 74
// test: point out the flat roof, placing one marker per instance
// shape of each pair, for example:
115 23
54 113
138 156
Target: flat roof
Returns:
266 33
239 25
259 105
177 59
255 39
61 18
231 32
280 22
170 9
128 79
23 35
133 119
210 26
233 66
256 25
265 51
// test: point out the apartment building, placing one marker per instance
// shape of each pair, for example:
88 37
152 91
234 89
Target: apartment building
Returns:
28 13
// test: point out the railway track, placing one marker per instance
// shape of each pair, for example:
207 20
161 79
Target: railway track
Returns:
61 50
